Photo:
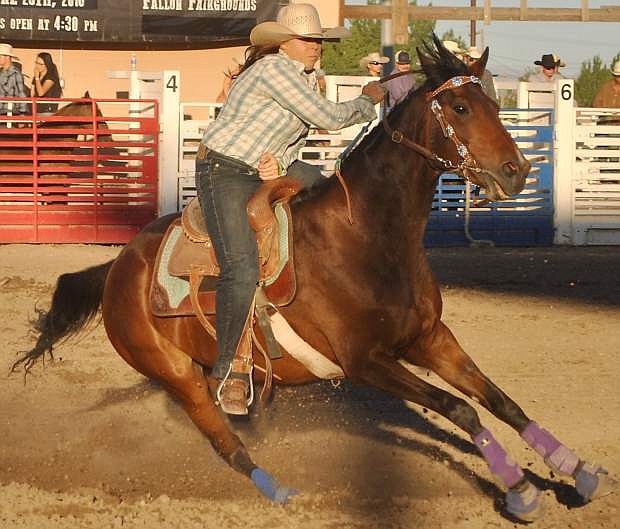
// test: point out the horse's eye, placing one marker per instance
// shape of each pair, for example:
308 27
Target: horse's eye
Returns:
459 109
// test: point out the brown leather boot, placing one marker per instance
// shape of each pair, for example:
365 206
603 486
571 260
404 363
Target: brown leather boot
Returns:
236 392
234 395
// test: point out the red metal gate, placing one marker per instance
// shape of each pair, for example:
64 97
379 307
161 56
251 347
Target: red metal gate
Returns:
90 176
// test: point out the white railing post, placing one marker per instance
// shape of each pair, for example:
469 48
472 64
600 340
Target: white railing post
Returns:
169 144
564 161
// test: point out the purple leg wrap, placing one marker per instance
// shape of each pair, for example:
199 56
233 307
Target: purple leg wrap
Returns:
498 460
557 456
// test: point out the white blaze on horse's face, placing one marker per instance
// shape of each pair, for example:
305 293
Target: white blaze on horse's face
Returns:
305 50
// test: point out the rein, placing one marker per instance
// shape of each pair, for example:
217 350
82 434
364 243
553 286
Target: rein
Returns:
394 76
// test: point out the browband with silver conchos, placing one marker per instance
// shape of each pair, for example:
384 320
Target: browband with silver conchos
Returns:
454 82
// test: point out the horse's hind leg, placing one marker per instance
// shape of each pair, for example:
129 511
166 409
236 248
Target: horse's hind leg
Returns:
186 381
443 355
523 500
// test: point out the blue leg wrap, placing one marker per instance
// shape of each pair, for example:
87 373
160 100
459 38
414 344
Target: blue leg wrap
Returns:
269 486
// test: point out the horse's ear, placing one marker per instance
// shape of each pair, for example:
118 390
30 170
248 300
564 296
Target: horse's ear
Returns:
477 68
86 95
425 60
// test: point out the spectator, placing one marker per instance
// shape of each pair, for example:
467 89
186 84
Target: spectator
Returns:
399 87
559 63
471 55
548 70
373 63
453 47
11 81
608 95
45 83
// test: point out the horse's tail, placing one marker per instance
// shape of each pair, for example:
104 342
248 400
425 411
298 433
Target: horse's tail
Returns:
76 300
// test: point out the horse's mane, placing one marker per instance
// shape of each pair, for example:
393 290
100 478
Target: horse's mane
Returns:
438 64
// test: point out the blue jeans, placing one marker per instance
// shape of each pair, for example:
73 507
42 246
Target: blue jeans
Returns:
224 187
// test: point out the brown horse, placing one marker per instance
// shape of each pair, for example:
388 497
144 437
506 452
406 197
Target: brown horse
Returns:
366 297
50 140
53 147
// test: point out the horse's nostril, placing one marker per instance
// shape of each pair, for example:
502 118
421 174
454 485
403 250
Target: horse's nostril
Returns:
510 169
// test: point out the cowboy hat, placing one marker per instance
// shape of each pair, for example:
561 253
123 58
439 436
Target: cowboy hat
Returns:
7 49
373 57
402 57
559 61
616 69
473 52
294 21
548 61
452 47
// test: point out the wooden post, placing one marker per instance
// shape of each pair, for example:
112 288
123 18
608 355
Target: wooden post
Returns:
487 12
341 13
400 22
609 13
472 26
585 11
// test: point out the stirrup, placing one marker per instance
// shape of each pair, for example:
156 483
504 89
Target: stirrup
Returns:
232 392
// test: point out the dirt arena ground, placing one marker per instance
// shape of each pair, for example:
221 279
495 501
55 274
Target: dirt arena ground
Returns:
88 442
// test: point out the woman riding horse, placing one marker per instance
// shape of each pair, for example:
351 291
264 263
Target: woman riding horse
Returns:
366 298
257 136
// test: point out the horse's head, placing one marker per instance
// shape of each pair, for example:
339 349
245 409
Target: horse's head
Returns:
466 131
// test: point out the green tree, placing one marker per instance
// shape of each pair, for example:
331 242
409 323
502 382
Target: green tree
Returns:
342 58
593 74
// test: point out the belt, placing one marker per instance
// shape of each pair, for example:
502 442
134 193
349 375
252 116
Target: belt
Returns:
205 153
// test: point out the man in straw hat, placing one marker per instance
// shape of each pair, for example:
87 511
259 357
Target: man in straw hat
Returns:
11 80
470 56
257 136
559 62
373 63
453 47
608 95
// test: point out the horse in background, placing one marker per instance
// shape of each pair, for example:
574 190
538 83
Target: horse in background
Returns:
366 297
78 118
53 146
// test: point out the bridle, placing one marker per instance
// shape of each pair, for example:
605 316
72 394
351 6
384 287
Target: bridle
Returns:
466 162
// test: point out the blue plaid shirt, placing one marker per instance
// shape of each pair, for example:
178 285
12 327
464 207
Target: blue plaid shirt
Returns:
12 85
270 108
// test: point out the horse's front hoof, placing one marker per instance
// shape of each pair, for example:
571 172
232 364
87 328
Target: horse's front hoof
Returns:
593 481
268 486
525 502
